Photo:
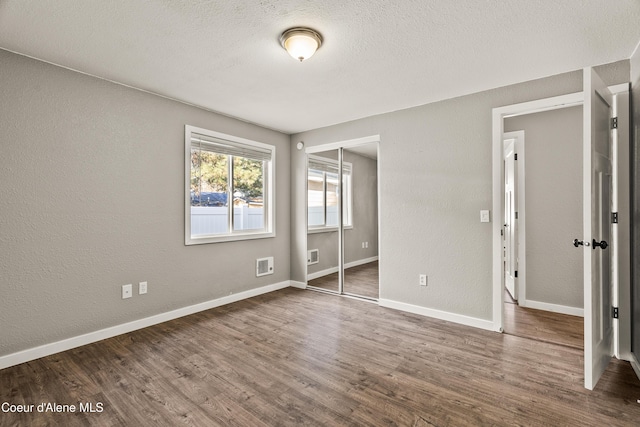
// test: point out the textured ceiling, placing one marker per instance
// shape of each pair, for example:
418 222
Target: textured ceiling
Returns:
378 55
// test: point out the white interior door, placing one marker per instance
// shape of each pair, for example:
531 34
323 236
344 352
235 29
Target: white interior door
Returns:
597 167
510 234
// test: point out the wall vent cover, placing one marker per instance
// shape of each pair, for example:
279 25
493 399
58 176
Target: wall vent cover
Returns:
313 257
264 266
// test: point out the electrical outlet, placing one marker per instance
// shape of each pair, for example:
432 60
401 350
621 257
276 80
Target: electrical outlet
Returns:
142 288
423 280
366 245
127 291
362 245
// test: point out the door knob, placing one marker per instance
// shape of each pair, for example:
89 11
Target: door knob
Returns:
602 244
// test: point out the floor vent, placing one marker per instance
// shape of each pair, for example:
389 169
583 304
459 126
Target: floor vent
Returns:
313 257
264 266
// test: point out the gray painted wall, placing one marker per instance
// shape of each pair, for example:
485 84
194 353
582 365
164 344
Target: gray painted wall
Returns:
365 219
92 197
635 182
365 209
553 170
327 245
435 177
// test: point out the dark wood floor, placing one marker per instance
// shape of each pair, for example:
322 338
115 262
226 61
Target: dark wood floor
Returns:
542 325
295 357
361 280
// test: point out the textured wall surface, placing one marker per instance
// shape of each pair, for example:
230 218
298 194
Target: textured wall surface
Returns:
435 177
553 170
377 56
92 198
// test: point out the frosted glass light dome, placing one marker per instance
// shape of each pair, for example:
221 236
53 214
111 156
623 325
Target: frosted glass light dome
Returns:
301 43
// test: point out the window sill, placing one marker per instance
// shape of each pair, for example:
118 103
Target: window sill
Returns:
315 230
227 238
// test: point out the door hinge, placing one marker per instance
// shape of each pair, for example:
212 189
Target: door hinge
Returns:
516 274
614 123
516 215
614 217
515 156
616 314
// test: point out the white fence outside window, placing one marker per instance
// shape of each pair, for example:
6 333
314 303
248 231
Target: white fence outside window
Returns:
214 220
316 214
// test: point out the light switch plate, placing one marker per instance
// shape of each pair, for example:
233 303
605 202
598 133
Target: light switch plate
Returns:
484 216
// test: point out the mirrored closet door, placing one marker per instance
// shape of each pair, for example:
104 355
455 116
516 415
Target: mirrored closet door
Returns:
360 220
342 218
323 206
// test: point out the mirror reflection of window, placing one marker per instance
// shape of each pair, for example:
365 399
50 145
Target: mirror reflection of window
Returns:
323 193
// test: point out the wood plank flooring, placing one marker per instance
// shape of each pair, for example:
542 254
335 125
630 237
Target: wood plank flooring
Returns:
360 280
295 357
542 325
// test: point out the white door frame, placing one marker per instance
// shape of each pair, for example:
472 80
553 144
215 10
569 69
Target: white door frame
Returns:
498 116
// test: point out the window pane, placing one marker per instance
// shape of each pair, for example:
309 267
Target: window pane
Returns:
228 188
346 200
315 188
209 193
248 194
332 199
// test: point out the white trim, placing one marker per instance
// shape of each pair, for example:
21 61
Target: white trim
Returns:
615 242
540 105
619 89
555 308
348 265
360 262
299 285
438 314
342 144
322 273
635 364
91 337
329 229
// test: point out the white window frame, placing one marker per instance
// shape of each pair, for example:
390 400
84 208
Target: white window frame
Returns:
269 197
347 166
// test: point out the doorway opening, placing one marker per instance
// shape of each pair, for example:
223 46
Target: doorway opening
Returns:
342 218
603 109
542 275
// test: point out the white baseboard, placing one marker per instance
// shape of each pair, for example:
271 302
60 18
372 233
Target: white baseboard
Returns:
635 365
360 262
299 285
91 337
442 315
322 273
555 308
332 270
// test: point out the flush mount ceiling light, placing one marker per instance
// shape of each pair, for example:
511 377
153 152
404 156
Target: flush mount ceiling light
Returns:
301 42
